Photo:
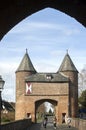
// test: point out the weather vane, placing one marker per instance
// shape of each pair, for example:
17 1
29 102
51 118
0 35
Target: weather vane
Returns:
26 50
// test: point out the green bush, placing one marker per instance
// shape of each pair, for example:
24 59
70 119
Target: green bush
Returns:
7 117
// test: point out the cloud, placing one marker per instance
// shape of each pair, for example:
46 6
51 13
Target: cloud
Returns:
30 26
7 71
8 94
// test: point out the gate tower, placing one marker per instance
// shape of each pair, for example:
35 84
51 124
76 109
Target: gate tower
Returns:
59 89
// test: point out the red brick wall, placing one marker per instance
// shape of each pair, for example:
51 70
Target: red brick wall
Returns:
64 94
40 91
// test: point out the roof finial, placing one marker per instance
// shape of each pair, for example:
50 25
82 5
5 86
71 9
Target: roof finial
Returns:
67 51
26 50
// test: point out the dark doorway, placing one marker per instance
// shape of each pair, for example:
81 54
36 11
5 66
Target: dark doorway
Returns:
63 117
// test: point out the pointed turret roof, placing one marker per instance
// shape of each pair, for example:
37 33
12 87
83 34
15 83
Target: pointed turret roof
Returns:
67 64
26 64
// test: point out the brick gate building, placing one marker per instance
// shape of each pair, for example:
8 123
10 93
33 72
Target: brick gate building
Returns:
59 89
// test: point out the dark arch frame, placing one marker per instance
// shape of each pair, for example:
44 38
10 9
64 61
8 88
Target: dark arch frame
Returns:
14 11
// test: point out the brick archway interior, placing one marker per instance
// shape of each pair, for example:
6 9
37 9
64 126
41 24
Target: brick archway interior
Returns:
40 102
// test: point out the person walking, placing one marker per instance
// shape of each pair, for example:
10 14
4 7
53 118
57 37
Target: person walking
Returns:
55 122
69 122
45 121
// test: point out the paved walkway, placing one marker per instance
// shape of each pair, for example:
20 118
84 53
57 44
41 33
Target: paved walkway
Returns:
39 126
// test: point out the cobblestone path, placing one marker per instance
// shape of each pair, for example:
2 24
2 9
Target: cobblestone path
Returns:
39 126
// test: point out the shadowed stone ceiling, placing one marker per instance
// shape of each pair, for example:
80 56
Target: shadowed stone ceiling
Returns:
14 11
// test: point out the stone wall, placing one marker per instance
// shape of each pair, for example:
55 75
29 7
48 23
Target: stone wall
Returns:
50 88
79 123
17 125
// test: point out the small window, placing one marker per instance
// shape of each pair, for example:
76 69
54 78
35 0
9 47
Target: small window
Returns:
49 77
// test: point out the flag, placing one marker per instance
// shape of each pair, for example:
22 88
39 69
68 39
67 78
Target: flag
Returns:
28 88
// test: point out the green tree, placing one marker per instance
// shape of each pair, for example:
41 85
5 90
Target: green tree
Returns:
41 108
82 80
50 111
82 99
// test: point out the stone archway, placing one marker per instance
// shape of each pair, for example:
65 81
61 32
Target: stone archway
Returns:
41 101
14 11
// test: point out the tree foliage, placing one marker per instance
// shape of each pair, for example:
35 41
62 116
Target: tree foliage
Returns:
82 99
41 108
50 111
82 80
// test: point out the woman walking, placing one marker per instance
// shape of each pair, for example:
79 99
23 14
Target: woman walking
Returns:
55 122
45 121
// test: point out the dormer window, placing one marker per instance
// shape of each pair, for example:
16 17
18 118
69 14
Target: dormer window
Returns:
49 77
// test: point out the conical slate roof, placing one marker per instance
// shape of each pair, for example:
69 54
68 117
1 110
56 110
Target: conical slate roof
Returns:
26 64
67 64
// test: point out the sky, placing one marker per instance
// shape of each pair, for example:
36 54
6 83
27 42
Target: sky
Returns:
47 35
